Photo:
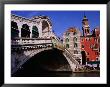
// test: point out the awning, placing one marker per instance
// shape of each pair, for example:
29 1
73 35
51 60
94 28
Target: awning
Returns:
93 62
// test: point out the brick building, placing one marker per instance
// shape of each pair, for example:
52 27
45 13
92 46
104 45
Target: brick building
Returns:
90 43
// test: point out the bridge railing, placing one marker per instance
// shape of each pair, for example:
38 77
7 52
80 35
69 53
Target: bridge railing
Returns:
70 56
57 42
23 41
59 45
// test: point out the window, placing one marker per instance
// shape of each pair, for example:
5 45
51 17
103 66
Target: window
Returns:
96 58
67 40
75 45
67 45
87 59
87 30
82 46
74 33
75 52
88 39
96 53
82 39
87 53
67 34
75 39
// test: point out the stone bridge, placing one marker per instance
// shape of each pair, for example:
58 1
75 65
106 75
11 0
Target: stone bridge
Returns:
25 48
32 36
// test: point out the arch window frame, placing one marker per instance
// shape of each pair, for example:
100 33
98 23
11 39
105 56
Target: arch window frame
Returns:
75 39
14 29
75 45
67 33
25 31
67 40
35 33
67 45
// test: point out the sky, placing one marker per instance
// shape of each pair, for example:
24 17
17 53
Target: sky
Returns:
62 20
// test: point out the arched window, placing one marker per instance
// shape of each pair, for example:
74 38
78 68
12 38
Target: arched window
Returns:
25 32
35 32
87 30
82 46
67 45
74 33
45 25
14 29
75 39
75 45
67 33
67 40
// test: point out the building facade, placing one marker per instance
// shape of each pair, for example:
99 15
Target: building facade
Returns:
90 43
85 46
71 41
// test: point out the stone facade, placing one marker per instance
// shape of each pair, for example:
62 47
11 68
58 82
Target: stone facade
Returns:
36 27
71 41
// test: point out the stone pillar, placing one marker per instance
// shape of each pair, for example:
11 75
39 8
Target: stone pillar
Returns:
19 28
30 27
40 29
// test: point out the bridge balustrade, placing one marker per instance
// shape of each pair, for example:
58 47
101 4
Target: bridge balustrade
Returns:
30 41
70 56
57 43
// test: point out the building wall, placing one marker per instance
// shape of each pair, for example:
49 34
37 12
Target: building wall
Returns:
88 45
90 42
73 35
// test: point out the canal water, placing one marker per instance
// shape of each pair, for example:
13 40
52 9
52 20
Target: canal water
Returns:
57 74
70 74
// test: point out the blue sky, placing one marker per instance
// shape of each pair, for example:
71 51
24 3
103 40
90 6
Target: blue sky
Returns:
62 20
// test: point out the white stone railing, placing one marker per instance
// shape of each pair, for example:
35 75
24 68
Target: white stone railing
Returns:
71 60
70 56
57 43
29 41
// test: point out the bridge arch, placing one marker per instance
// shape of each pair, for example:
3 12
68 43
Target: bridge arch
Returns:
45 26
14 29
44 63
35 32
25 31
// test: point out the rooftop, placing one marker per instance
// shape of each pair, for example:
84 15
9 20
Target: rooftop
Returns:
71 29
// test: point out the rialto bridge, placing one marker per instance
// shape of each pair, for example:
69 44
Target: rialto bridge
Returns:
32 36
